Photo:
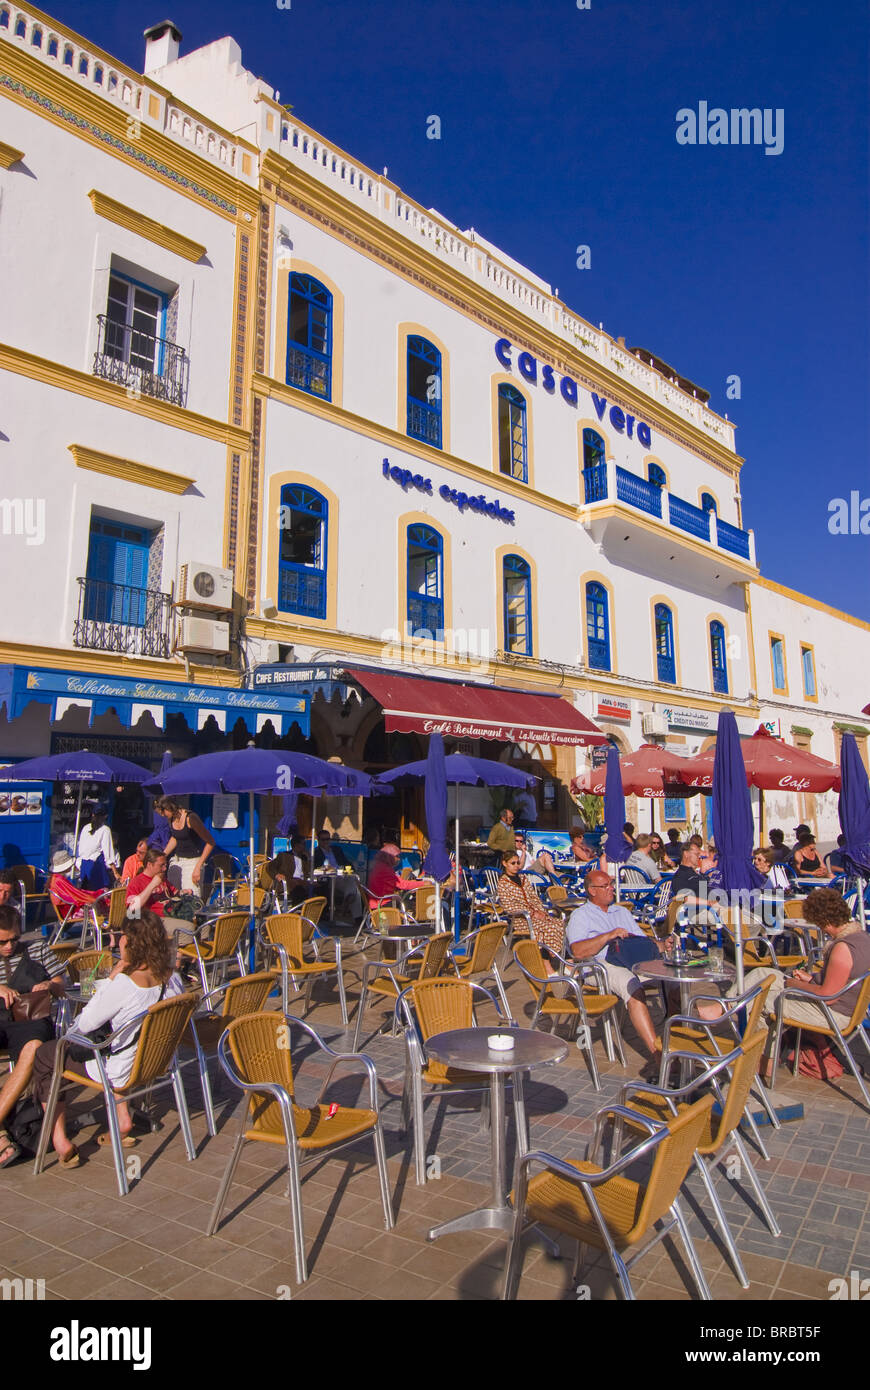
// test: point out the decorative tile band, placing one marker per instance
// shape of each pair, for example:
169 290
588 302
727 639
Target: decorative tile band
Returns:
113 140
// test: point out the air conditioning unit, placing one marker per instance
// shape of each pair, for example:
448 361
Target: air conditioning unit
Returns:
205 586
654 726
203 635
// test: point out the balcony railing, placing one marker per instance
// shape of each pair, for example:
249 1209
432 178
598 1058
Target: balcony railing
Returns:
302 591
595 483
308 372
424 423
140 362
119 618
720 680
733 539
425 615
638 492
688 517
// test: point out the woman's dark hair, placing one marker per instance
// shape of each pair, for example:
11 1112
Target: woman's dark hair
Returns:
148 946
825 907
508 855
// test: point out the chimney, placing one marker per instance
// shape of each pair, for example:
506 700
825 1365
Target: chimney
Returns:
161 45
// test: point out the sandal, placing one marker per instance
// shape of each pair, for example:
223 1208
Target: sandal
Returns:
128 1141
8 1143
72 1159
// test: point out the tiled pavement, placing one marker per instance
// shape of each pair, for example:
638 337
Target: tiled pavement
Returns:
72 1230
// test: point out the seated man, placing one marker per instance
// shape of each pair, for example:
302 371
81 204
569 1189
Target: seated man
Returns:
640 858
690 885
836 858
501 837
591 929
327 855
291 866
24 969
8 887
778 847
542 865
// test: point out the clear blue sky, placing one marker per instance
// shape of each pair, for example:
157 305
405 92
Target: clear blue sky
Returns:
558 128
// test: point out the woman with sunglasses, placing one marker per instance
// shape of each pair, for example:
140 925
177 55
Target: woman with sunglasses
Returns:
142 977
658 853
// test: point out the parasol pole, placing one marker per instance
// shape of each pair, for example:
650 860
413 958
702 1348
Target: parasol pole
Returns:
738 942
78 819
313 828
456 874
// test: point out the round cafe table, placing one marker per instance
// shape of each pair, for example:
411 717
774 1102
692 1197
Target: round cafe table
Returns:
468 1049
684 975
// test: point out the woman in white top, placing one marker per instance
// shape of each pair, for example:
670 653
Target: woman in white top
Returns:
142 977
97 859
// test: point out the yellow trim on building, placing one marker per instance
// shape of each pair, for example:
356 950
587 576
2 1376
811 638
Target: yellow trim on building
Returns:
319 205
103 663
403 523
143 226
811 602
131 472
670 604
501 553
645 466
771 638
114 119
286 266
809 647
110 393
501 379
594 577
409 330
270 540
327 410
595 512
9 155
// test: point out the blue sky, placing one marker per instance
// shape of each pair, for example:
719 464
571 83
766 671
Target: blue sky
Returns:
558 128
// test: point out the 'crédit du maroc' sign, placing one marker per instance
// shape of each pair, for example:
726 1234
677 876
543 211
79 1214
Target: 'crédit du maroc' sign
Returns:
527 365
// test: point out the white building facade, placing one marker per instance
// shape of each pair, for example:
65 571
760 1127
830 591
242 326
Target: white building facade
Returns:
410 454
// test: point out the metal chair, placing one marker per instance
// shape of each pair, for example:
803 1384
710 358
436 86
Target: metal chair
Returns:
603 1207
480 949
110 911
387 979
437 1006
284 935
720 1133
842 1033
582 1005
87 962
255 1053
225 945
246 995
154 1064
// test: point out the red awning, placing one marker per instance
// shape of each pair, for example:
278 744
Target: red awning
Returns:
413 705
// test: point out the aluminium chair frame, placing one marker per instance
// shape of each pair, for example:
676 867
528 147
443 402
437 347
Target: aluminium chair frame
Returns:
294 1161
823 1002
370 971
287 971
201 1055
100 1051
575 986
587 1182
463 945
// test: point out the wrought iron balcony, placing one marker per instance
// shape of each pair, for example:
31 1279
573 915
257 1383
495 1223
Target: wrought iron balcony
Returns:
308 372
143 364
302 591
605 483
119 618
425 615
424 423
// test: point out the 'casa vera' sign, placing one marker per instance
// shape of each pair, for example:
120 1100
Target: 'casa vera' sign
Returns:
527 366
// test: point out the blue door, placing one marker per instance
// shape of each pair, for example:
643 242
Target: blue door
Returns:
117 573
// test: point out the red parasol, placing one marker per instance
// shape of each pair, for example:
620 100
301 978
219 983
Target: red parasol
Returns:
649 772
771 765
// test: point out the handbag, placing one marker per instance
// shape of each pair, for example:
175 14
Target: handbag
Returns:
629 951
28 1008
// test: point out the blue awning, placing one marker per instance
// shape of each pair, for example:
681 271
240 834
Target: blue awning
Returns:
132 700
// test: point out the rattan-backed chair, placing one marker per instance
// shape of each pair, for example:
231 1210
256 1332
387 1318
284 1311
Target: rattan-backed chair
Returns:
438 1006
154 1064
29 879
246 995
762 950
842 1031
713 1038
284 935
255 1052
479 963
419 903
224 946
585 1002
386 979
242 898
86 963
721 1131
603 1207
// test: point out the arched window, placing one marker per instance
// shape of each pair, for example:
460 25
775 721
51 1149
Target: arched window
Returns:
424 391
512 445
303 524
593 449
309 337
708 502
597 627
594 467
425 582
666 667
517 591
656 475
717 655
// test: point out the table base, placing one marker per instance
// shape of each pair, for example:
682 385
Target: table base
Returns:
482 1219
